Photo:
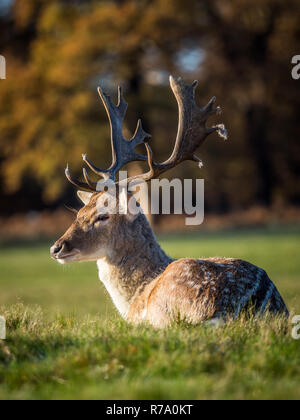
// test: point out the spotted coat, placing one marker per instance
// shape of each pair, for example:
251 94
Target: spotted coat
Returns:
200 290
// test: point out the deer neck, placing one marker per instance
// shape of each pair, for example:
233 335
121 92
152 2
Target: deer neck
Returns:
126 271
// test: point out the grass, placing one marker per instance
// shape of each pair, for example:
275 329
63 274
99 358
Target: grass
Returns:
65 341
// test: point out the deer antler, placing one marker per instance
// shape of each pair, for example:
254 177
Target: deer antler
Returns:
192 132
123 151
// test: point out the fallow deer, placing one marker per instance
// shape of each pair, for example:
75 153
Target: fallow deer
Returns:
144 283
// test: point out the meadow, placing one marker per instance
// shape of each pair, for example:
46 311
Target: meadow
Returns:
66 341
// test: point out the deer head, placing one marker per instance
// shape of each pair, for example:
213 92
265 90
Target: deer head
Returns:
95 232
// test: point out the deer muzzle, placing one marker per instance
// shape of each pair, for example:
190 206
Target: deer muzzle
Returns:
62 250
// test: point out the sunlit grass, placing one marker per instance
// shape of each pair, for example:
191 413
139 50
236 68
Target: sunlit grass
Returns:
95 358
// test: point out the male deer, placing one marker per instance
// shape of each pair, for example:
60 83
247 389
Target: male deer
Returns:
143 282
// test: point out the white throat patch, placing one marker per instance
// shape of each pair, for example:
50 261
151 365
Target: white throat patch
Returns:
112 288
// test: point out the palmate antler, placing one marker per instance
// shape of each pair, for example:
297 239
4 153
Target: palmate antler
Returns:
192 132
123 151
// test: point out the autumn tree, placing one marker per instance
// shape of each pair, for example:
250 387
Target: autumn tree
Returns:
59 51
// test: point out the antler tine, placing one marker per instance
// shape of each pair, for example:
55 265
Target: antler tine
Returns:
91 184
81 185
192 129
104 173
123 151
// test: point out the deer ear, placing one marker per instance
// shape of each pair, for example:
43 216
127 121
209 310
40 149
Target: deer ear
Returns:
85 197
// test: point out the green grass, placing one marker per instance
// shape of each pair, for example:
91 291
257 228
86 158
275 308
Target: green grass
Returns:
76 346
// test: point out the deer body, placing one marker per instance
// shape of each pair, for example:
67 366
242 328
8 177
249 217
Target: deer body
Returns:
201 290
147 286
143 282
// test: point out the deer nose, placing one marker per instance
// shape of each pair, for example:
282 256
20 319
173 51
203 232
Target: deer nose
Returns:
55 250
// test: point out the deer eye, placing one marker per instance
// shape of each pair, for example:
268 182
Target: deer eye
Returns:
102 218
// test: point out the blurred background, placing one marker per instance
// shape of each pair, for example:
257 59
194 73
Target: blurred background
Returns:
59 51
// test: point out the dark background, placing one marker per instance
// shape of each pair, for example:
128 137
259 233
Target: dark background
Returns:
58 52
